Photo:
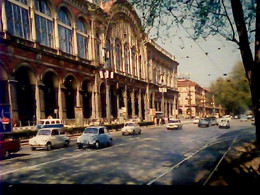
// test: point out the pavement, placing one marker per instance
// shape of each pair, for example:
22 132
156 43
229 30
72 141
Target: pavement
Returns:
240 165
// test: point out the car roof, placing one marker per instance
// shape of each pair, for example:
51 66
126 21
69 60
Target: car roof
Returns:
49 128
98 127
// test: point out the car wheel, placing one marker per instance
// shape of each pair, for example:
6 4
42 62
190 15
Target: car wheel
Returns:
109 142
48 146
6 154
33 148
134 132
97 145
140 131
80 146
123 133
67 143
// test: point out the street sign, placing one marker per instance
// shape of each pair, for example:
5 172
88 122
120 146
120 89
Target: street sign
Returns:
5 120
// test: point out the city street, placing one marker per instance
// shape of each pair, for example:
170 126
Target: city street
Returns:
157 156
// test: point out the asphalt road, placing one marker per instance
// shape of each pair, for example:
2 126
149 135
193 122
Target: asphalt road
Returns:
157 156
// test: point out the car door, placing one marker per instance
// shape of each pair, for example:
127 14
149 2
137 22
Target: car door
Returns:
102 136
55 137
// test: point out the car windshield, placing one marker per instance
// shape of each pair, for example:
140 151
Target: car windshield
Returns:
44 132
129 124
223 121
91 131
173 121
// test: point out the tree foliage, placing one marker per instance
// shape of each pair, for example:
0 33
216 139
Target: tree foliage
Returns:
233 92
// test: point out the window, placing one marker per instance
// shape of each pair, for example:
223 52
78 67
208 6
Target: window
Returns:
133 61
82 38
101 131
43 22
118 54
127 58
98 43
18 18
65 31
55 132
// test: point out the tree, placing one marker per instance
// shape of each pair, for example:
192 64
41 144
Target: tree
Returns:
236 20
233 93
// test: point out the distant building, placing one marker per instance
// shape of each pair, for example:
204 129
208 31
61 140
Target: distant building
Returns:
195 100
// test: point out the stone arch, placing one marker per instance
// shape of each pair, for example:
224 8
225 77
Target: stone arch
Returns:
86 93
25 92
50 87
70 90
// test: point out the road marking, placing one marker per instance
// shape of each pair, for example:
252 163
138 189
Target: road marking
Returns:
177 165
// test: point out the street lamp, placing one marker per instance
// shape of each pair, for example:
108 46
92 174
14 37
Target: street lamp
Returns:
107 75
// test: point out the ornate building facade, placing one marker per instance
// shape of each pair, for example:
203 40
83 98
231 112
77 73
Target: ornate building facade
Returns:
80 61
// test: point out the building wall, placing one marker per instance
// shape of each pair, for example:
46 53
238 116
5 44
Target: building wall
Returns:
50 62
201 101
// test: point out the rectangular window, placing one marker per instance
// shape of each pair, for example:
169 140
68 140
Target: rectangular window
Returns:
17 20
65 39
82 45
43 30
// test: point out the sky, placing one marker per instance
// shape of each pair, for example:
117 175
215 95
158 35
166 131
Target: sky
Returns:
221 56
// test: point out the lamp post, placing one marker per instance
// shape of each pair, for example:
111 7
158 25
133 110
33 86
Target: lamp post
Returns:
107 75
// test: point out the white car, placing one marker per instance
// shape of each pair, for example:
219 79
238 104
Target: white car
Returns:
95 136
131 128
48 138
174 124
224 123
196 120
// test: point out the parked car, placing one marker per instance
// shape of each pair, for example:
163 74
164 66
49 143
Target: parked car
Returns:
49 123
243 118
204 122
213 121
49 138
8 146
95 136
228 117
196 120
174 124
224 123
131 128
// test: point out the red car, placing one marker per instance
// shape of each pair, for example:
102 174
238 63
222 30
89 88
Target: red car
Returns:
8 146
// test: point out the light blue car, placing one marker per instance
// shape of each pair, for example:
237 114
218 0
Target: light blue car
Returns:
243 118
95 136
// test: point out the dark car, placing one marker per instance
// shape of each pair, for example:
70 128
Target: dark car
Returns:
204 122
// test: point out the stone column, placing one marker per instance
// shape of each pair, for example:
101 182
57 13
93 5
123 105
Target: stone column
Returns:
60 102
140 104
108 112
38 102
133 102
125 102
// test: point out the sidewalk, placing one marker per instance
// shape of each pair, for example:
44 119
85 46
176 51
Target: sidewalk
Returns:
241 165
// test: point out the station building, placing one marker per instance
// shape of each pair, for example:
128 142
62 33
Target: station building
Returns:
81 61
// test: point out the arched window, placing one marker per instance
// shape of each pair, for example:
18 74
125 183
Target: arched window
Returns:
65 31
127 58
43 22
18 18
118 54
82 38
133 61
